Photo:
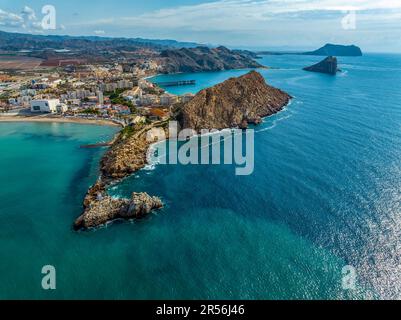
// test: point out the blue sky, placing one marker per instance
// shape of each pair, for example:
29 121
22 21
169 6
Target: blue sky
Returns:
375 25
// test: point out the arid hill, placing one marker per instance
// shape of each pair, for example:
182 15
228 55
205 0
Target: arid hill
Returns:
205 59
236 102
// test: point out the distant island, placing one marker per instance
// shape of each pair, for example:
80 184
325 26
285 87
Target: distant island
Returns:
327 50
328 65
336 50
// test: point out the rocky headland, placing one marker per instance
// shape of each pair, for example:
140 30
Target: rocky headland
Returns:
126 155
237 102
328 65
206 59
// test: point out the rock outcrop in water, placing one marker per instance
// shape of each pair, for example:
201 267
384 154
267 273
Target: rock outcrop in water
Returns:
237 102
100 208
205 59
328 65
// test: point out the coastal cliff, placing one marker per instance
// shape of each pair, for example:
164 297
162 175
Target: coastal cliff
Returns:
237 102
125 156
328 65
205 59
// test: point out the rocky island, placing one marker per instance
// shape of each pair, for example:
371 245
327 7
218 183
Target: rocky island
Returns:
101 208
327 50
328 65
237 102
336 50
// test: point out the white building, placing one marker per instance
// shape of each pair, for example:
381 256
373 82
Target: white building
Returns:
143 84
149 99
49 106
61 108
168 99
187 97
100 98
138 119
24 101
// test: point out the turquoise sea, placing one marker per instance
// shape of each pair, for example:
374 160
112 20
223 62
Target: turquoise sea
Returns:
325 194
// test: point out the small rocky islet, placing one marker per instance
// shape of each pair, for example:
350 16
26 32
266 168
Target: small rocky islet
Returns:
328 66
237 102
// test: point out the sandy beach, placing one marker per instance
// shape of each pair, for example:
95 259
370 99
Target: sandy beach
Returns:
53 119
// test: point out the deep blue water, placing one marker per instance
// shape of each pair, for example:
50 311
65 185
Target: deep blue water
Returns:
325 193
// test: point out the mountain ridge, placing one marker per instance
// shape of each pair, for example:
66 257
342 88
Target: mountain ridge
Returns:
38 42
205 59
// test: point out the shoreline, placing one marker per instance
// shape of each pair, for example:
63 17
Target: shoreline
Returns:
99 122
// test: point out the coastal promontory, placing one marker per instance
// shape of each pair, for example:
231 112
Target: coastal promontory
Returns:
126 155
237 102
205 59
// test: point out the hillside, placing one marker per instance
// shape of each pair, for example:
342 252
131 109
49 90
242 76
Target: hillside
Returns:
336 50
205 59
236 102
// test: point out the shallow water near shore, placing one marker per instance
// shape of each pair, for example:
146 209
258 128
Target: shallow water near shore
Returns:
324 194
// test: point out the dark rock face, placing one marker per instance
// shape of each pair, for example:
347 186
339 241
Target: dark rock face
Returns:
236 102
328 65
205 59
336 50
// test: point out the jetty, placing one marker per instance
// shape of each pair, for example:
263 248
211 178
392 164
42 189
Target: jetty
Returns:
176 83
96 145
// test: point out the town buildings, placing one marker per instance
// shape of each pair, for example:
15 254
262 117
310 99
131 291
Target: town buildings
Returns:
48 106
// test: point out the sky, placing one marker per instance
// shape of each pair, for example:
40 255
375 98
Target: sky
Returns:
374 25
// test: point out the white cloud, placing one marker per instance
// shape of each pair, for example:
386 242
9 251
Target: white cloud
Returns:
28 14
247 22
247 15
273 22
9 19
26 20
